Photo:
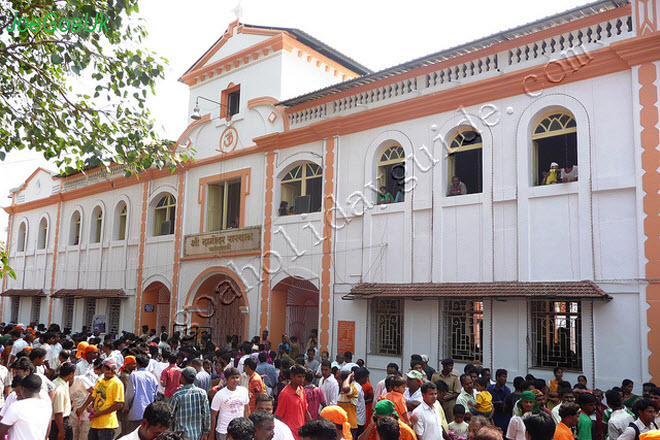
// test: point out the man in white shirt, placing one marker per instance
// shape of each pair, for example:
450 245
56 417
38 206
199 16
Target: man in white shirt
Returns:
349 364
645 412
380 386
328 384
157 419
426 419
228 404
28 418
282 431
360 409
468 393
19 344
413 393
246 349
619 418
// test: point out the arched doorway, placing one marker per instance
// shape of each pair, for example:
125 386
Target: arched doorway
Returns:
156 306
294 309
220 304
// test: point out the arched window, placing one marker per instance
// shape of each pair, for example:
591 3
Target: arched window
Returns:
22 237
554 149
121 221
302 189
74 230
97 225
464 163
164 215
391 175
42 239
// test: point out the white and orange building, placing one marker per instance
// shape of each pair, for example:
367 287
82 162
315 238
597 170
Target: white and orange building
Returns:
512 274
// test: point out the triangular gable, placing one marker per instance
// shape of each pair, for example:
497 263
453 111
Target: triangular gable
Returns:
35 173
236 38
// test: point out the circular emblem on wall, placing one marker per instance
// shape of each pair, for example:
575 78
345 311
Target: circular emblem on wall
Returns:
228 140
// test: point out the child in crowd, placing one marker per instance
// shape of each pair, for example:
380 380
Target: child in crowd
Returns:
484 403
398 387
459 426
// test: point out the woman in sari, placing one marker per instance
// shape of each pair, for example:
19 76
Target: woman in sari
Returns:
628 397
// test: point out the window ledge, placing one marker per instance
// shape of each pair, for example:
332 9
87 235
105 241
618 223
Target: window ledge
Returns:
298 218
160 238
41 251
223 122
388 208
466 199
554 190
117 243
94 246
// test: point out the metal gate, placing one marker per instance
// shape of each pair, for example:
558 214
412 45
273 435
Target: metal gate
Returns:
225 313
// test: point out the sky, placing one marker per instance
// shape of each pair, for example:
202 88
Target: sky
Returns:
376 34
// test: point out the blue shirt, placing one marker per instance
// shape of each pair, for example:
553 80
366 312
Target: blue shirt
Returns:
268 370
500 419
141 391
203 380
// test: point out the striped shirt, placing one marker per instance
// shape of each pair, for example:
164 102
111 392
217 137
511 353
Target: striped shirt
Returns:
191 412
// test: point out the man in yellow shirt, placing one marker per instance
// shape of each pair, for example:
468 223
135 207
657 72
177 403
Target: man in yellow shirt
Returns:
108 397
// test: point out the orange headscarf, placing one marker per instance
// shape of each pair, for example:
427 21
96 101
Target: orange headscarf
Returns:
650 435
81 349
338 416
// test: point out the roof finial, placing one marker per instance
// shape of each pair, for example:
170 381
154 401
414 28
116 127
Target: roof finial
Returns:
238 10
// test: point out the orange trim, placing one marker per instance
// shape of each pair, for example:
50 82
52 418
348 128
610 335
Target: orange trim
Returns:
268 215
52 276
496 48
246 180
34 173
177 247
650 139
231 88
189 128
269 100
143 233
275 41
614 58
216 256
216 270
227 35
646 20
326 260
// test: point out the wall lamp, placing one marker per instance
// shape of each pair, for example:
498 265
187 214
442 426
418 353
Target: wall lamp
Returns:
196 115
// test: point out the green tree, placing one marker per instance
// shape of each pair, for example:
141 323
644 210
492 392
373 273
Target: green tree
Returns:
5 270
50 51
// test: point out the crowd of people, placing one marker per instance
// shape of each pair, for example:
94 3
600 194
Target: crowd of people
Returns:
150 386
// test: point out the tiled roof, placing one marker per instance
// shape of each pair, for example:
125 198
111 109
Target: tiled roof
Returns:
494 290
23 292
453 52
89 293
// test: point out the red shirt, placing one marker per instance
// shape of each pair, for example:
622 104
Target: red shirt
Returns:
172 378
315 398
399 404
291 408
255 389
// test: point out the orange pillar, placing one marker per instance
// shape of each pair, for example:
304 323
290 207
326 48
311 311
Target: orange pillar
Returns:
326 260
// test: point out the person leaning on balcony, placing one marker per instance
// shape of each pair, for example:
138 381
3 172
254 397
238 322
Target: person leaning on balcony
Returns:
456 188
283 208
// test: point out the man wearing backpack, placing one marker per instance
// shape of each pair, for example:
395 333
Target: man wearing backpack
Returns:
645 411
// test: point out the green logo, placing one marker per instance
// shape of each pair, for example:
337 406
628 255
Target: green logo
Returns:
51 22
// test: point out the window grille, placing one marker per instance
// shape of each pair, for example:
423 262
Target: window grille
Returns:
556 334
386 326
464 330
90 311
164 215
67 312
15 304
114 310
36 309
